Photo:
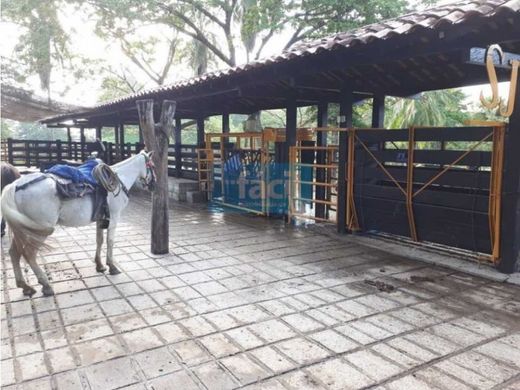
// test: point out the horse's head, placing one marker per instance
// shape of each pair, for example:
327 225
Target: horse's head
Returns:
147 176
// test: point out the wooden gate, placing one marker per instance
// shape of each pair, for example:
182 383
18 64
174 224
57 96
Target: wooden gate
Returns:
437 185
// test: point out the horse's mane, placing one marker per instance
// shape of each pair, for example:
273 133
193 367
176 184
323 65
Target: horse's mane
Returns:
124 162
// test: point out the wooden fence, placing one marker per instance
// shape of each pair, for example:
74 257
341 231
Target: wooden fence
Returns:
182 159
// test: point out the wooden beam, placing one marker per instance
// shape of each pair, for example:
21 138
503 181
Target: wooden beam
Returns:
345 121
510 219
156 137
378 112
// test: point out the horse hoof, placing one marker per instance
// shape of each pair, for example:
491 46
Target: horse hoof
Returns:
47 291
28 291
114 270
100 268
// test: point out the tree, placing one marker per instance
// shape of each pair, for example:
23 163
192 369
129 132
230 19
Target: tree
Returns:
434 108
42 45
224 27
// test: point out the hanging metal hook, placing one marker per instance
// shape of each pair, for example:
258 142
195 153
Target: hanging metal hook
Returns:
508 110
492 75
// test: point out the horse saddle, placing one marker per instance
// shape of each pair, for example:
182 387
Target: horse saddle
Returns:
81 174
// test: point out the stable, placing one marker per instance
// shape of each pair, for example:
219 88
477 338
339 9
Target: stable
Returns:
458 187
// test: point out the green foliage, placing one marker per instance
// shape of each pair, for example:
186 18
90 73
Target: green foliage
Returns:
434 108
19 130
43 41
329 16
6 129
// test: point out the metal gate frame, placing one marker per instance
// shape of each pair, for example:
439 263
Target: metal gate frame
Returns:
327 166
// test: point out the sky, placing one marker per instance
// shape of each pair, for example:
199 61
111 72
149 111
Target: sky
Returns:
83 39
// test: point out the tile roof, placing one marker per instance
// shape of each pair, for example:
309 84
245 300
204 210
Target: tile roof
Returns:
431 19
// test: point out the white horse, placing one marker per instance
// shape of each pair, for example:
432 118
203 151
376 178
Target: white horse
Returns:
33 211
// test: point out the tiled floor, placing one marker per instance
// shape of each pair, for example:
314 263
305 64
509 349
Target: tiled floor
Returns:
244 302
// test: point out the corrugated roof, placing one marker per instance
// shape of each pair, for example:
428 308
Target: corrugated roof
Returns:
434 18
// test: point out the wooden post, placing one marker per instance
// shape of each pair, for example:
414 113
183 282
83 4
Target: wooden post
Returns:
27 154
510 207
200 132
141 139
10 158
82 141
225 123
345 121
178 152
69 142
122 140
156 137
108 152
321 174
99 135
291 115
378 111
116 143
58 150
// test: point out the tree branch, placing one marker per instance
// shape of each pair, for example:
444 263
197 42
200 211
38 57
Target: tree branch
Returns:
205 12
198 34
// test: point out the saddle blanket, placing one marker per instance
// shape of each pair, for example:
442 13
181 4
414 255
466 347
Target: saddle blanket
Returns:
81 174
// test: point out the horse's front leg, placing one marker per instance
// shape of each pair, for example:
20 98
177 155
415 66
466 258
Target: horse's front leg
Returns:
99 243
110 246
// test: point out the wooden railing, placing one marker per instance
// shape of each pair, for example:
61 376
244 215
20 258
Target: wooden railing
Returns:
182 161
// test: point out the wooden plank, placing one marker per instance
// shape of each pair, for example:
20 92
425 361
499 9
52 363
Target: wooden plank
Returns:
471 179
441 157
452 134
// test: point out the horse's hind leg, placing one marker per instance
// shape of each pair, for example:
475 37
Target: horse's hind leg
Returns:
30 256
99 243
16 254
110 246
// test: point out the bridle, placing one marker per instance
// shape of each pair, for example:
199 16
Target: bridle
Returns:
151 178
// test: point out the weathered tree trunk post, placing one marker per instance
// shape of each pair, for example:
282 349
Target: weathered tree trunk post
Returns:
156 137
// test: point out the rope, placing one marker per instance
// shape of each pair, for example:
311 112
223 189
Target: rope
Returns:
107 178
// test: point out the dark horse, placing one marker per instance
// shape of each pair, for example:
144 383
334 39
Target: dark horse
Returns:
9 174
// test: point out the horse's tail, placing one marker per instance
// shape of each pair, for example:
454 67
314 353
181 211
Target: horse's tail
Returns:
26 232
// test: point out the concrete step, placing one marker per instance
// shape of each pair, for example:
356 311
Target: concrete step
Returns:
185 190
195 197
